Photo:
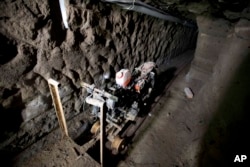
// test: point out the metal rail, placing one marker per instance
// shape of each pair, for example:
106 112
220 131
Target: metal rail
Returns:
139 6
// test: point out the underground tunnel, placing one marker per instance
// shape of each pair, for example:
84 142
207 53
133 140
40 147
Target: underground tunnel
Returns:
190 107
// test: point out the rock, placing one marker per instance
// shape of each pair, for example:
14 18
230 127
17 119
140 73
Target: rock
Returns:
232 15
242 29
24 61
78 104
188 92
42 86
42 67
214 26
89 36
198 8
36 106
56 59
70 39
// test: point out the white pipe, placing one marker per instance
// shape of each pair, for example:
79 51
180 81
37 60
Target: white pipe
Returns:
64 13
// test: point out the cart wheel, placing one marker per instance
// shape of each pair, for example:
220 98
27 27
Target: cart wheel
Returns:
108 145
95 129
118 145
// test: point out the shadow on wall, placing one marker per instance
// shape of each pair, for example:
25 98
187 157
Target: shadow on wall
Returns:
57 32
163 79
8 50
228 132
10 120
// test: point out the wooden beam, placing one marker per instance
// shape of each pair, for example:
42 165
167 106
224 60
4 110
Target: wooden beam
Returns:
102 133
53 86
102 106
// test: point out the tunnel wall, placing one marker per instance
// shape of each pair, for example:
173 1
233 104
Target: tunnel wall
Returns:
219 78
35 46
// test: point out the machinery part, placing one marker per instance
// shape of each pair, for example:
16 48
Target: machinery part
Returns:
95 129
94 102
146 68
189 93
132 114
123 77
91 89
108 145
118 144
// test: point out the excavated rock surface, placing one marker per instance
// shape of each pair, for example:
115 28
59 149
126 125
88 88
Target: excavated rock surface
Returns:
35 46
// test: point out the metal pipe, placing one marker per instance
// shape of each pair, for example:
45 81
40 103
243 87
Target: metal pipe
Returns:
64 13
139 6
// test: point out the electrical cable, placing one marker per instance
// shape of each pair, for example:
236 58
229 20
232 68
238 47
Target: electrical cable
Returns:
142 7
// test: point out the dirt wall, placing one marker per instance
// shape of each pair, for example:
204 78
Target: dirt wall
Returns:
35 46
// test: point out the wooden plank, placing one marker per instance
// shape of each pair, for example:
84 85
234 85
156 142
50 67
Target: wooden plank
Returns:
102 133
53 86
102 106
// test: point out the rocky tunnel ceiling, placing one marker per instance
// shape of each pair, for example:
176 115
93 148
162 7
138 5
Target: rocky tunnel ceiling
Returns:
102 37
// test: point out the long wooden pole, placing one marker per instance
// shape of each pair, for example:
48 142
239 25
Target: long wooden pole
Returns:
101 105
102 133
53 86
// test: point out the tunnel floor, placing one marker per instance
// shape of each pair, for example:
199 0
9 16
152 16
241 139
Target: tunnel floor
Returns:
177 132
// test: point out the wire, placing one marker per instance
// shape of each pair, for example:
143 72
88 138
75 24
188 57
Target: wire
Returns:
132 6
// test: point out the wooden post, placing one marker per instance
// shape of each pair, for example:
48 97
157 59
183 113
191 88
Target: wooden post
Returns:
53 86
102 106
102 133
